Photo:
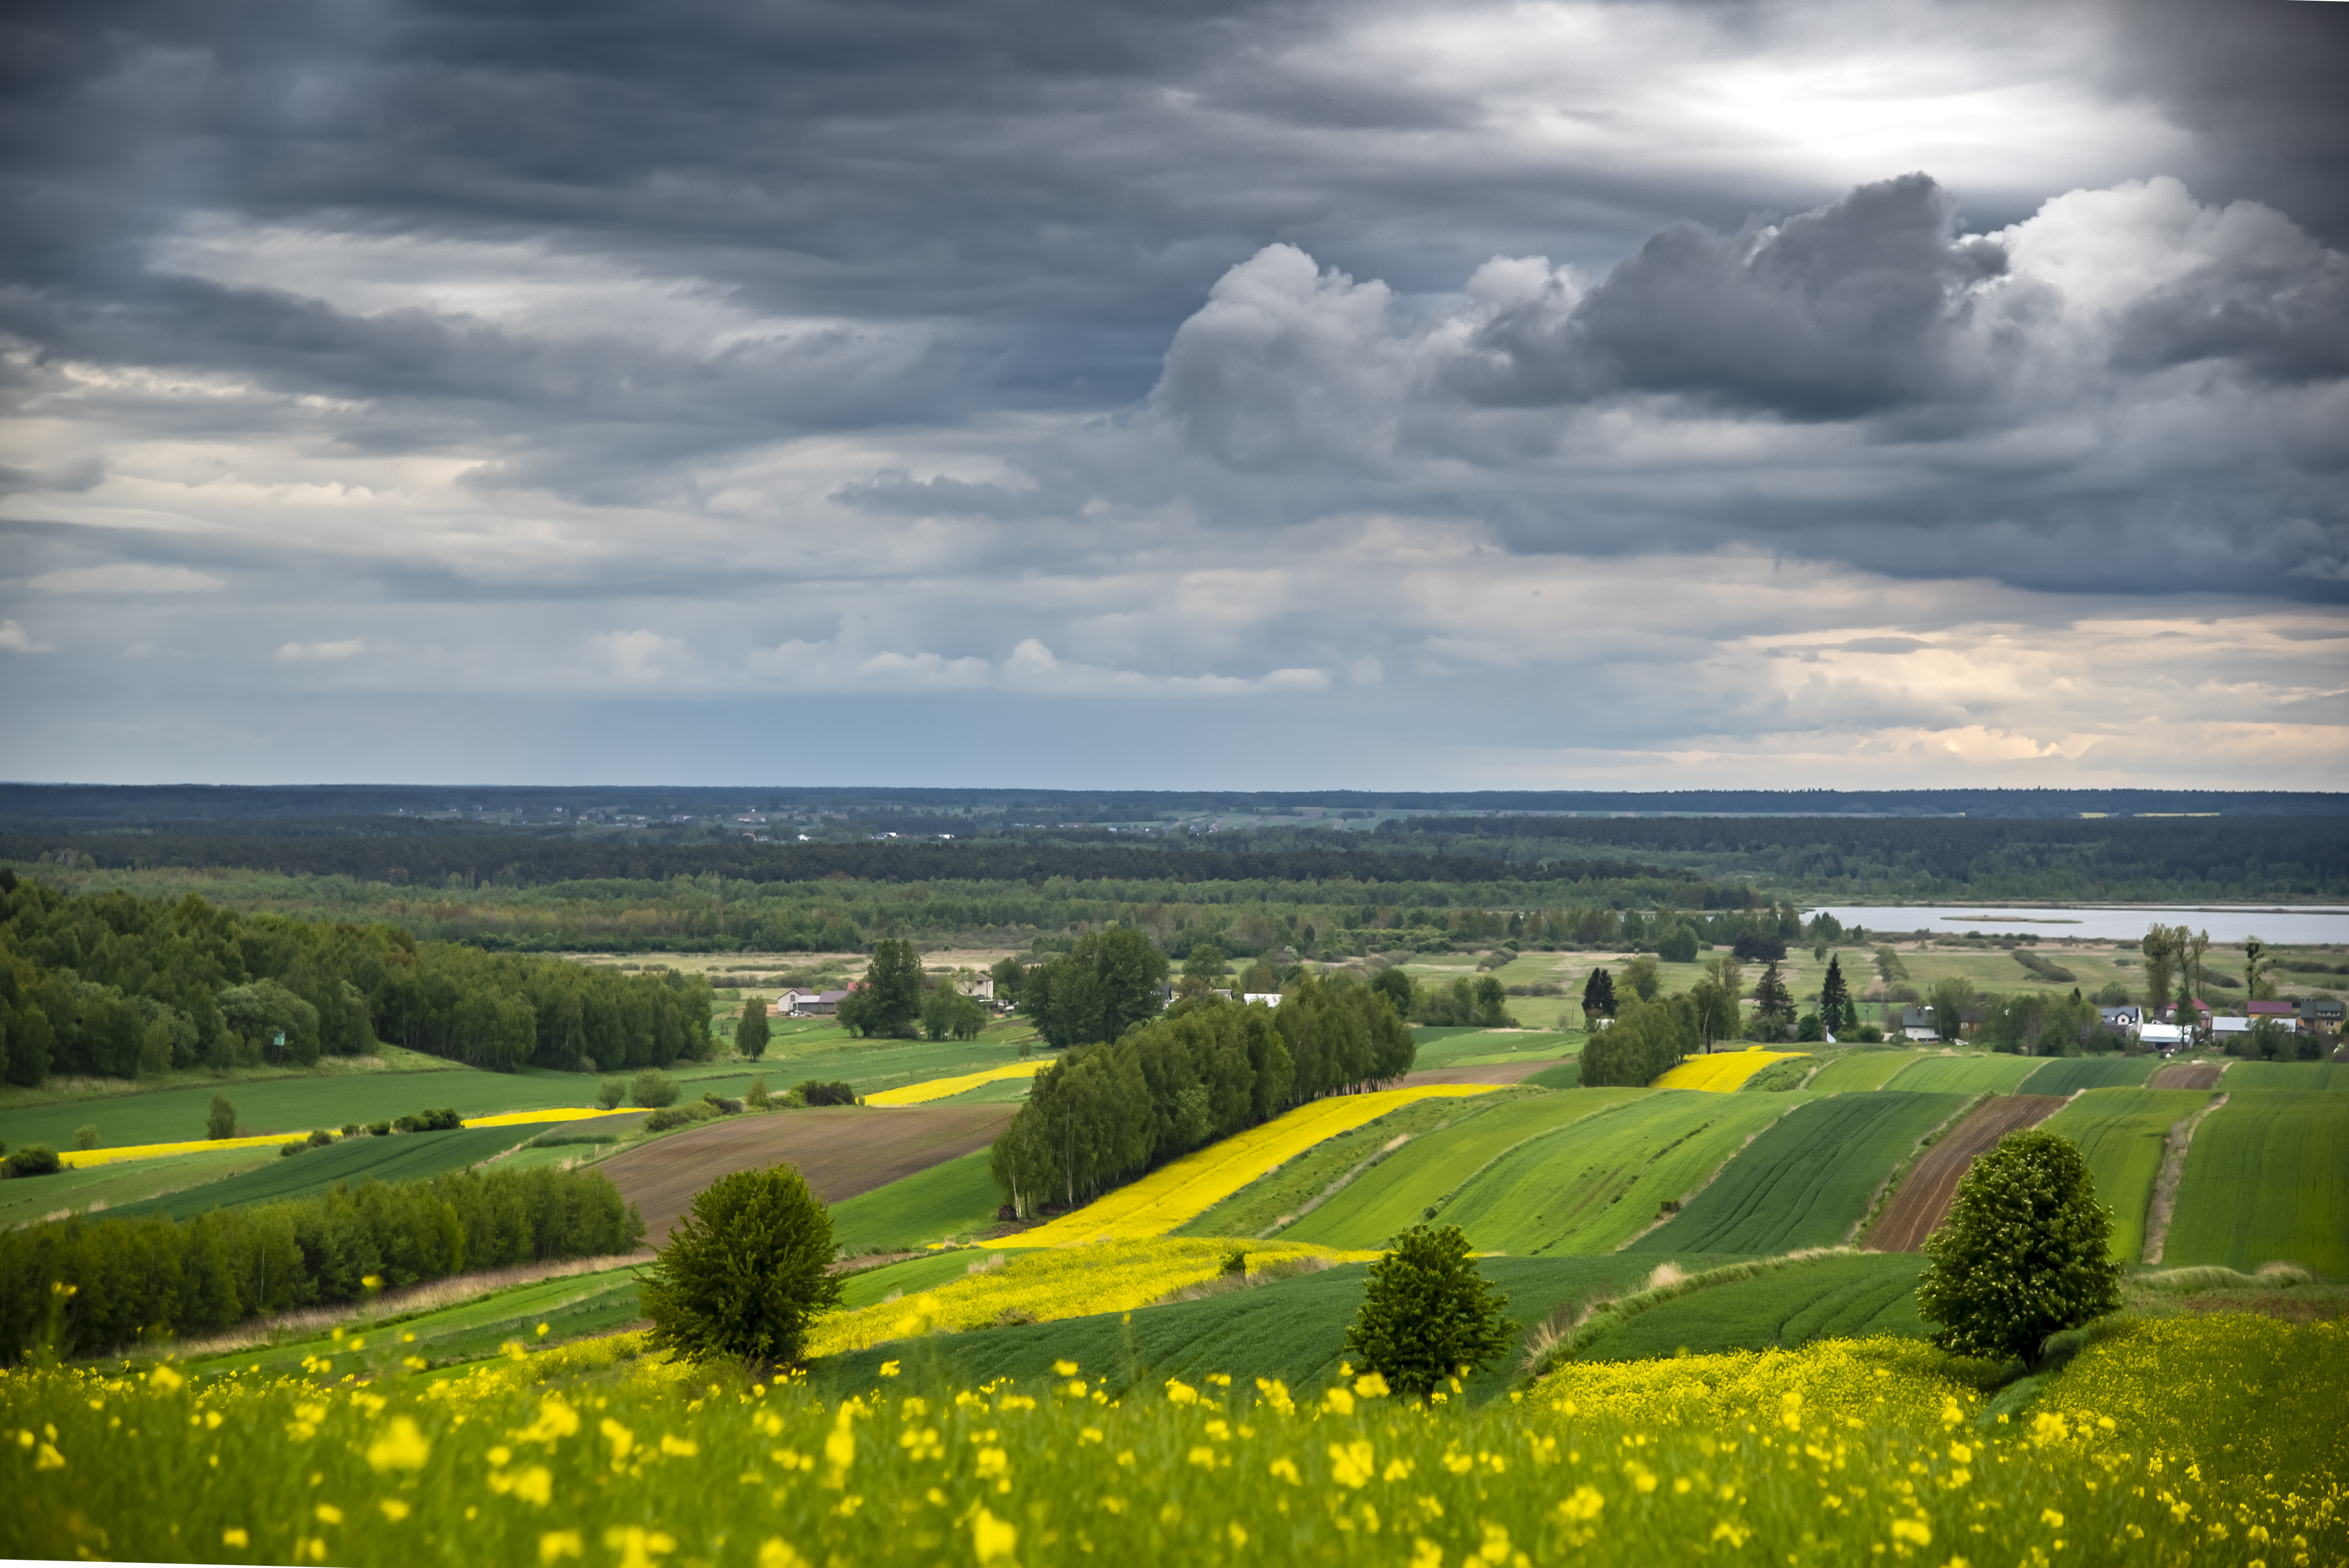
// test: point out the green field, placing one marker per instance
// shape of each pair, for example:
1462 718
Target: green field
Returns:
1860 1070
2070 1074
26 1200
1938 1074
1847 1295
956 1199
1293 1329
1566 1075
868 1286
1808 1179
1594 1188
1395 1194
1491 1047
2267 1180
2121 1132
403 1157
2303 1076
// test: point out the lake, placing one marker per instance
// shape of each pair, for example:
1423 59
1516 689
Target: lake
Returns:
2304 924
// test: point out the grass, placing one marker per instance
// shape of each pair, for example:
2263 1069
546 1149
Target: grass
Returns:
403 1157
2267 1180
1597 1186
2120 1132
956 1199
62 1089
1858 1071
1807 1180
2070 1074
1493 1048
2303 1076
1270 1203
1396 1194
1841 1295
868 1287
25 1200
1566 1075
1935 1074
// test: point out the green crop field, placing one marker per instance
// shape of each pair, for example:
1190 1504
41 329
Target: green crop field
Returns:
1395 1194
1594 1187
1293 1329
1860 1070
2303 1075
868 1286
1936 1073
1846 1296
2073 1073
2267 1180
1806 1181
2121 1132
1566 1075
403 1157
28 1199
956 1199
1487 1047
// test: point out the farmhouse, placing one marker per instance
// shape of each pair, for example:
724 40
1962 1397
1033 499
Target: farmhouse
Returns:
2122 1020
798 1004
1917 1024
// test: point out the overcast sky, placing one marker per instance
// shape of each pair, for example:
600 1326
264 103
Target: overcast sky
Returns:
1054 392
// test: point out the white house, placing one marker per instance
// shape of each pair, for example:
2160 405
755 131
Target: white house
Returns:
1270 999
2168 1036
2224 1026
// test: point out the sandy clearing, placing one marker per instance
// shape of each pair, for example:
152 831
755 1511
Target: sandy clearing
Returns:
1924 1197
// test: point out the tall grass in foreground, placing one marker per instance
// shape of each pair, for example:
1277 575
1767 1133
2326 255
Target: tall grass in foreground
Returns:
1863 1452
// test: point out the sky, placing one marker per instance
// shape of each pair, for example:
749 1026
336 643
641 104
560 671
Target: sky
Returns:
1669 395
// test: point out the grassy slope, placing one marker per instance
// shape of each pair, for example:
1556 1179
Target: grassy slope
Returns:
869 1286
1593 1189
956 1199
1844 1296
1293 1329
2267 1178
1806 1181
2287 1075
1860 1070
404 1157
2072 1073
2121 1132
1261 1204
23 1202
1483 1047
1395 1195
1965 1074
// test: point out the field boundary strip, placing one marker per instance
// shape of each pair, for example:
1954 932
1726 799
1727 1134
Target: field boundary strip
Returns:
942 1088
83 1159
1192 1185
2164 1205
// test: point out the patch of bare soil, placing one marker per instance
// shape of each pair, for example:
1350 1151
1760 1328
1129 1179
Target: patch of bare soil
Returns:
1916 1210
2187 1075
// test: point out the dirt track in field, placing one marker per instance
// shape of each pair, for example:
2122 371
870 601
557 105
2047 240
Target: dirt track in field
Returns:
1502 1073
2189 1075
1924 1195
841 1149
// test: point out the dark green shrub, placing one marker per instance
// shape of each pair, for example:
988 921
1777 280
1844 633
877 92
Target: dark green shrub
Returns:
756 1096
815 1093
351 1129
444 1120
380 1128
2023 1255
744 1273
35 1160
610 1094
85 1135
286 1151
653 1089
1427 1314
221 1121
320 1138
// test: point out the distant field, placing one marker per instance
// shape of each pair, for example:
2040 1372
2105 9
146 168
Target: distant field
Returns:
1393 1195
403 1157
868 1286
34 1198
1860 1070
1722 1072
2301 1076
1458 1047
1934 1074
2121 1133
1914 1209
957 1198
2266 1179
1806 1181
2070 1074
1594 1187
1847 1295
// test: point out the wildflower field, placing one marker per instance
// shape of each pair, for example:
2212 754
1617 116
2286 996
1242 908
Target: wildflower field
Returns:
1721 1072
2212 1441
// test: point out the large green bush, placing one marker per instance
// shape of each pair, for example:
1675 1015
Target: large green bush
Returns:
1427 1314
2023 1254
744 1273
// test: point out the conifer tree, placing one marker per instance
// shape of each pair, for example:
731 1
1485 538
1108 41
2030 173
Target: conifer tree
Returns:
1836 1008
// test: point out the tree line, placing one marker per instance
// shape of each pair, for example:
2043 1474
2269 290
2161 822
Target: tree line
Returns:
1105 1113
114 985
84 1285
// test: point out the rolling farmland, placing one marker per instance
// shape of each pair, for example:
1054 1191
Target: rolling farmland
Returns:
1844 1296
2121 1133
1934 1074
1594 1187
1861 1070
2301 1076
2068 1075
404 1157
1923 1196
1394 1194
2267 1180
1808 1179
957 1198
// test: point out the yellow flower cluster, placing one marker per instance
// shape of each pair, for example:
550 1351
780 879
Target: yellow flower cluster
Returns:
1721 1072
1182 1191
940 1088
80 1159
1877 1382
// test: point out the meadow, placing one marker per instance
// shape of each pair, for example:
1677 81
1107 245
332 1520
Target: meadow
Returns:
402 1157
2267 1178
956 1199
2122 1133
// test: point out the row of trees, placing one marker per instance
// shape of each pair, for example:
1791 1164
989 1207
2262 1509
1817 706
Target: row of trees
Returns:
112 985
81 1287
1105 1113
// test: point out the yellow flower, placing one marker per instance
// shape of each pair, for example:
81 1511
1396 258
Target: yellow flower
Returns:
329 1514
1205 1457
682 1448
1181 1393
235 1537
555 1420
1351 1464
1338 1402
888 1369
393 1509
620 1438
1962 1453
1496 1544
1584 1506
165 1379
638 1546
48 1459
1370 1386
558 1543
402 1446
1426 1553
2053 1520
993 1462
993 1537
1064 1368
777 1553
1912 1529
1286 1469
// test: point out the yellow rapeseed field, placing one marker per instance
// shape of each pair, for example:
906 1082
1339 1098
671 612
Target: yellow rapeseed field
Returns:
79 1158
1722 1071
939 1089
1189 1187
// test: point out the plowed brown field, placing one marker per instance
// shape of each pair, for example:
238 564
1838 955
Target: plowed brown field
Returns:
841 1149
2187 1075
1924 1196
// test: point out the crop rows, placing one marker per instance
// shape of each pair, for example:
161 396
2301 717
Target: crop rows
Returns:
2069 1075
1965 1074
2267 1180
2121 1132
